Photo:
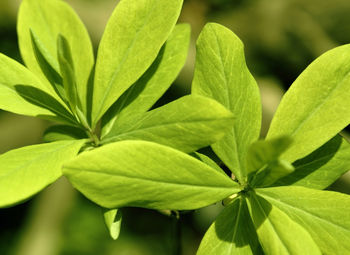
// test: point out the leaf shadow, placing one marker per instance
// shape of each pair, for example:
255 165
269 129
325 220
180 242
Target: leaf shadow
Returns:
234 225
44 100
312 162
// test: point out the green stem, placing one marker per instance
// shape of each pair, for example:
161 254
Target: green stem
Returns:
177 247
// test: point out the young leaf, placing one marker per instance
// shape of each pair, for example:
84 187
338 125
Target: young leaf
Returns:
27 170
16 91
67 69
316 107
63 132
279 234
232 233
146 174
51 72
132 39
321 168
154 82
324 214
264 158
48 19
113 220
221 73
187 124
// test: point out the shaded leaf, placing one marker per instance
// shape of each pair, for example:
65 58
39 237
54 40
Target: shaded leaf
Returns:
131 41
221 73
48 19
113 220
232 233
146 174
154 82
322 167
63 132
279 234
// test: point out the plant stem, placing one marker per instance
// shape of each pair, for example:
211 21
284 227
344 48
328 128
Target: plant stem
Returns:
177 247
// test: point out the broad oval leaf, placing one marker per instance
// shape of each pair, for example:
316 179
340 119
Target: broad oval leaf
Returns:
322 167
132 39
63 132
316 107
221 73
232 233
149 175
324 214
187 124
154 82
27 170
278 234
48 19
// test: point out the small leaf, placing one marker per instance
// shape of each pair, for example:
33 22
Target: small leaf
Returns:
279 234
63 132
149 175
205 159
322 167
28 170
50 72
154 82
232 233
48 19
66 64
113 220
324 214
221 73
263 159
187 124
132 39
316 107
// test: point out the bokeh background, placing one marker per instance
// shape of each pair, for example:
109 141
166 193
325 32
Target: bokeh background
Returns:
281 38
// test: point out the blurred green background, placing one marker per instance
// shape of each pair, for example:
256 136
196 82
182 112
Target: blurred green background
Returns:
281 38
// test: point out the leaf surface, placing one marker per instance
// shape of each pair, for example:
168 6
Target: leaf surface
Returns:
187 124
63 132
132 39
232 233
48 19
154 82
322 167
28 170
316 107
146 174
324 214
221 73
279 234
113 220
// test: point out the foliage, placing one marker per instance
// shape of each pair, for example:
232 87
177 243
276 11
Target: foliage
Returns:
118 152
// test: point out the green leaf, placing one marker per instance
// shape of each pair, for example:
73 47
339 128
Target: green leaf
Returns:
187 124
51 74
48 19
324 214
263 158
28 170
154 82
316 106
67 69
17 86
322 167
113 220
232 233
279 234
132 39
146 174
205 159
63 132
221 73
